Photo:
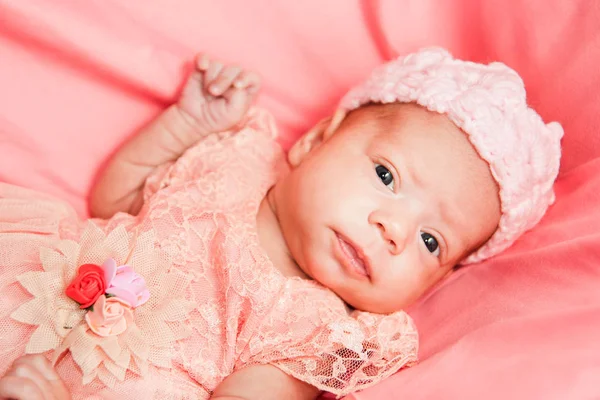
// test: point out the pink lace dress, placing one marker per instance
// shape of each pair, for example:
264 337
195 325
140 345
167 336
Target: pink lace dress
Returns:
217 304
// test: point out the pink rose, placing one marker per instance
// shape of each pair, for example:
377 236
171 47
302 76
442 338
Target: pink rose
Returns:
108 317
125 284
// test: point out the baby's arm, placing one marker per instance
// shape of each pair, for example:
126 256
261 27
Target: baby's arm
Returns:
267 382
214 99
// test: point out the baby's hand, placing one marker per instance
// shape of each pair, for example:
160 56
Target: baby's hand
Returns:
32 377
216 97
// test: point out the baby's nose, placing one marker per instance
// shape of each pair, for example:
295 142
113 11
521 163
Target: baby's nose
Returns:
394 235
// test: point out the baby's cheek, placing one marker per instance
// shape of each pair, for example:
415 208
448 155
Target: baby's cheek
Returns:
409 283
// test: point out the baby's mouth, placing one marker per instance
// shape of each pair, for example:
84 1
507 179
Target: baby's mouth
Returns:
354 255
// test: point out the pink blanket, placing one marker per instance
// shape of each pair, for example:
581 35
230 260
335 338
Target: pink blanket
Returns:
78 77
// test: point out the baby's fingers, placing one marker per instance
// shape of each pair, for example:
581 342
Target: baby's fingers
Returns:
212 73
248 80
14 387
202 62
32 377
224 81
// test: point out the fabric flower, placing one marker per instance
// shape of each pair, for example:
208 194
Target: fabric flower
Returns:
61 326
109 317
88 285
128 286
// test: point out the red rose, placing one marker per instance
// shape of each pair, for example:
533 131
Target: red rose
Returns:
88 285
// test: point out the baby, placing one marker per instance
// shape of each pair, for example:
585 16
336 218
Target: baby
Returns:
220 269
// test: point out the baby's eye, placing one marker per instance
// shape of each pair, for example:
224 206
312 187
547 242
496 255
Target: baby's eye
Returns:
385 175
431 243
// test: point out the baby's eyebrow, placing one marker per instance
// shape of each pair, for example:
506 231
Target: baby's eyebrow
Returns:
406 170
448 213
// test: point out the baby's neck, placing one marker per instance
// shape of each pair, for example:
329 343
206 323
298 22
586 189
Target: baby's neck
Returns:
272 240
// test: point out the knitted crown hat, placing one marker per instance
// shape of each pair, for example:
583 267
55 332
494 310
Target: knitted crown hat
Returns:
488 103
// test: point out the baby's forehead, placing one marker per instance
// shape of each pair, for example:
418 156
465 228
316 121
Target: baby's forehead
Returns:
396 114
397 121
421 138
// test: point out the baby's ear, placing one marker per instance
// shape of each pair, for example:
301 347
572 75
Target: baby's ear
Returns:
318 134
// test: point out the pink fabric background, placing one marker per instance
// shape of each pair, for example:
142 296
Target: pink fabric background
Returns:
77 78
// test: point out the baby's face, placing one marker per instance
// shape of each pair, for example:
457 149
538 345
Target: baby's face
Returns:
384 208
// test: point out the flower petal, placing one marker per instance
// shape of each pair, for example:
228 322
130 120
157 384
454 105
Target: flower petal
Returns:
93 360
124 276
71 250
123 294
119 327
125 269
81 345
89 378
142 298
124 358
107 377
137 343
41 284
118 241
92 235
87 268
110 270
33 312
116 370
43 339
142 365
138 283
99 330
52 260
97 316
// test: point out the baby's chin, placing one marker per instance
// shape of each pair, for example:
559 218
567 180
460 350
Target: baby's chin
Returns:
352 302
382 307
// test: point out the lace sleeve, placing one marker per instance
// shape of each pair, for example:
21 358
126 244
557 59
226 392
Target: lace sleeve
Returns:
207 155
331 350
